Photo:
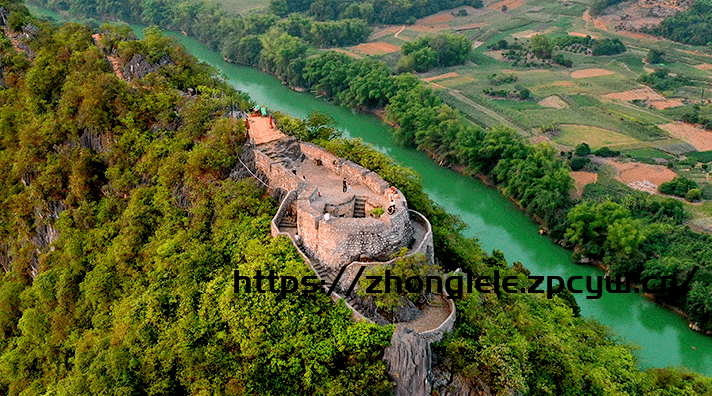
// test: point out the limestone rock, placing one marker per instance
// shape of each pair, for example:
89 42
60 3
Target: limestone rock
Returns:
140 67
407 311
408 359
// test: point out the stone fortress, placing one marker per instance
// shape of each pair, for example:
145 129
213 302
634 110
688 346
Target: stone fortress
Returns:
329 210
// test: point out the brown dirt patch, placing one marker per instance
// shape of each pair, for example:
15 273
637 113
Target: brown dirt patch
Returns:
695 52
642 177
540 139
446 75
261 131
511 4
633 94
435 19
665 104
554 101
586 73
698 137
704 66
581 180
377 48
600 24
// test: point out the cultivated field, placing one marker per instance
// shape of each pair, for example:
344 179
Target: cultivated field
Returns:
599 100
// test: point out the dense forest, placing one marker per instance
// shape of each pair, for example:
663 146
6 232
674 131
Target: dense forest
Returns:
693 26
121 226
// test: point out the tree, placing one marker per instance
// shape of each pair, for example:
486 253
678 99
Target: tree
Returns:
582 150
524 94
541 46
655 56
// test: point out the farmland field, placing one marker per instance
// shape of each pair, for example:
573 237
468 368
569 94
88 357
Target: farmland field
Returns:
603 100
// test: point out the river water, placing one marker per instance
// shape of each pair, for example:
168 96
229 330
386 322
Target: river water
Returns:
663 337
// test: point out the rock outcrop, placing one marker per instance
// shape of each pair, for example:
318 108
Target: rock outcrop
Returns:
408 360
139 67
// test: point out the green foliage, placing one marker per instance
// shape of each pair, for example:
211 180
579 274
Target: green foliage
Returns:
135 293
693 195
597 6
607 46
605 151
582 149
679 186
690 27
404 268
661 80
540 46
578 163
377 212
442 50
655 56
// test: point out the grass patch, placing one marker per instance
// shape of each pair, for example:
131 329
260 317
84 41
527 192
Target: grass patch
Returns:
584 100
607 187
471 113
647 155
596 137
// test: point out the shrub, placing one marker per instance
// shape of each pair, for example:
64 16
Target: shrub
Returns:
582 150
693 195
606 152
578 163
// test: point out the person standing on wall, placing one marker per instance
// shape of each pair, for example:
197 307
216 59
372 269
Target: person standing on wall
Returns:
345 188
392 200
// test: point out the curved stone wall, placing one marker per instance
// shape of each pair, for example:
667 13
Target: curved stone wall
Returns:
425 246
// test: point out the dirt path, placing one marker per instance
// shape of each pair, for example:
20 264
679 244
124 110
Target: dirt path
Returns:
113 60
399 32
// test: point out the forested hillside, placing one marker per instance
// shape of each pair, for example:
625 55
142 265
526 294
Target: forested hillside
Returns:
120 231
693 26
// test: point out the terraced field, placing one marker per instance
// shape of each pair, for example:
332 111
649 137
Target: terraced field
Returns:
599 100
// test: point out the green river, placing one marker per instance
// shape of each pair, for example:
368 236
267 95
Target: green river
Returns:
663 337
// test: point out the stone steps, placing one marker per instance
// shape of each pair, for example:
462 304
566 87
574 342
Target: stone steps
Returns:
287 224
360 207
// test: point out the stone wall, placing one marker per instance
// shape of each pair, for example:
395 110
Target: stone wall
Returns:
286 201
278 176
340 241
354 173
436 334
425 246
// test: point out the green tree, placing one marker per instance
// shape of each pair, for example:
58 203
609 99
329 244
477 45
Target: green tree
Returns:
540 46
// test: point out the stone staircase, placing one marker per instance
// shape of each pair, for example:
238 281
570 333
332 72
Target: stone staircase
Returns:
324 272
287 222
360 207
